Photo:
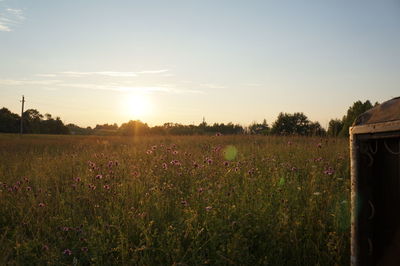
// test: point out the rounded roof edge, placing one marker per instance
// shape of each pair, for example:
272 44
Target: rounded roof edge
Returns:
384 112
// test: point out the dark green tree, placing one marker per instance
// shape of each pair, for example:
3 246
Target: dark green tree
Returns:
9 122
291 124
352 113
334 127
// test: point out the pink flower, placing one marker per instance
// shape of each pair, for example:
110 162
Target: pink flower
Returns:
106 187
208 208
329 171
45 247
67 252
41 204
165 166
149 151
99 176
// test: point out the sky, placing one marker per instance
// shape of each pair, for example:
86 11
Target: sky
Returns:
94 62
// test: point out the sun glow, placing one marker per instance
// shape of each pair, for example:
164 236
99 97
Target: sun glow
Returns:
136 105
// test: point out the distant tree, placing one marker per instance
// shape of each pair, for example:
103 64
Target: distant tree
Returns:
352 113
133 128
334 128
106 127
9 122
53 126
260 129
76 130
32 119
315 129
287 124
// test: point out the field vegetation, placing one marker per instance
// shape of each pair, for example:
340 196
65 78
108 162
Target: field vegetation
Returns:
189 200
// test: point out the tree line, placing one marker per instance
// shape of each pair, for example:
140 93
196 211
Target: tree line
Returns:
285 124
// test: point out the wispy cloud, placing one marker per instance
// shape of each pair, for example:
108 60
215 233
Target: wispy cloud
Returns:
12 82
46 75
127 88
153 71
112 73
101 73
9 18
212 86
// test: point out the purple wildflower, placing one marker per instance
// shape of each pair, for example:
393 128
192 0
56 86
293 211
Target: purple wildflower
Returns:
67 252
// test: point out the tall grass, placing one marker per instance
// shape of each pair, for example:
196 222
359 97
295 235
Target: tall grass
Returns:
195 200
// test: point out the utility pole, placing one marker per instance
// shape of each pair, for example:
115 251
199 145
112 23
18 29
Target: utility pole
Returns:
22 114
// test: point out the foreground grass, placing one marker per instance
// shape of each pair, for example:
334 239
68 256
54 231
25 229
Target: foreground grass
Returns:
224 200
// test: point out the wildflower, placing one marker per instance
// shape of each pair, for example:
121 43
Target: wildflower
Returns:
84 249
77 179
317 193
154 147
164 166
319 145
175 152
184 203
200 189
226 163
329 171
208 208
106 187
45 247
218 134
195 165
289 143
28 188
65 229
236 169
99 176
41 204
136 173
318 159
67 252
209 161
149 151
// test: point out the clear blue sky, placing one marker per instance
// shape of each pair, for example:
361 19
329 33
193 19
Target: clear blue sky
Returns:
240 61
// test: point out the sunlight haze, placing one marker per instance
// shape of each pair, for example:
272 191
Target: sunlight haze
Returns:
95 62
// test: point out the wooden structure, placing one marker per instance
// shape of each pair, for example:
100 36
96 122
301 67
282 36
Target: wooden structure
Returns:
375 184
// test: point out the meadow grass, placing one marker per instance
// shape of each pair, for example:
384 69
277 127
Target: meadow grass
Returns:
194 200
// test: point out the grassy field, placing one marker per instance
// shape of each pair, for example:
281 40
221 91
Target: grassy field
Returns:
218 200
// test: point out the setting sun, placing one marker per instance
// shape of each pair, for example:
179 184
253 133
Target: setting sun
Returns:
136 105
